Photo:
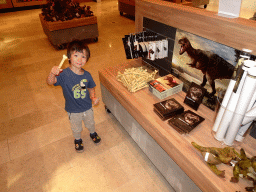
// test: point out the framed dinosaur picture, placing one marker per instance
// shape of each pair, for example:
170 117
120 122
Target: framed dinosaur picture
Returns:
204 62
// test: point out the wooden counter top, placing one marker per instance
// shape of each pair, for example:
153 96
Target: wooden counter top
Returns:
178 147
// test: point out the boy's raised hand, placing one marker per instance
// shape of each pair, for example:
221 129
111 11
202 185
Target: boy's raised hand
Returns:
56 70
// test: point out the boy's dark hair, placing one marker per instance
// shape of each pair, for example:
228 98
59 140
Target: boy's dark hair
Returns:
78 46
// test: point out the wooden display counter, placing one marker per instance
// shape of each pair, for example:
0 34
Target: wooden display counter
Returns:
139 105
135 110
194 3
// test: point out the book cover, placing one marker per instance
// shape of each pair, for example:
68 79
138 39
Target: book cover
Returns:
164 83
168 107
165 86
194 96
157 85
186 121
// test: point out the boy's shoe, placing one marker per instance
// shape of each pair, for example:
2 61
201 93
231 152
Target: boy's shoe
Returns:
79 145
95 137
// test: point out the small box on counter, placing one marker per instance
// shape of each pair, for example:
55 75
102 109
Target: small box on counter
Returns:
168 108
165 86
185 122
194 95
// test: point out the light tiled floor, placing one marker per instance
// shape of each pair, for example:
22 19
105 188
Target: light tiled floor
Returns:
36 146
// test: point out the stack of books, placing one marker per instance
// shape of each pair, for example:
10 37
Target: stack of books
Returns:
185 122
168 108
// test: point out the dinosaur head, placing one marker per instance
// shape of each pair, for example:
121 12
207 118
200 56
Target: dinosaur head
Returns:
184 45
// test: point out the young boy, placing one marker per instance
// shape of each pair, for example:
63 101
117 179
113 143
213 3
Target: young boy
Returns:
79 91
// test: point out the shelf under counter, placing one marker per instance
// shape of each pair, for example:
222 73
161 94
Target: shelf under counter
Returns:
139 105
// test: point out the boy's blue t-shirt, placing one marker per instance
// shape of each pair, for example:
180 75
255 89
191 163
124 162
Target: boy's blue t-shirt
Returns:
75 90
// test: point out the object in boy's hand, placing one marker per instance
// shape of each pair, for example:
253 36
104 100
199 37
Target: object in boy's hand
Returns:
62 61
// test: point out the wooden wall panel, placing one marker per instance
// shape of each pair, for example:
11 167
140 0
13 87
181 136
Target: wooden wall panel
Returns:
238 33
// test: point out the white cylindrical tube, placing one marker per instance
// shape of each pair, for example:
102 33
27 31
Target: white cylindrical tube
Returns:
224 105
249 116
242 131
252 103
228 113
243 103
227 116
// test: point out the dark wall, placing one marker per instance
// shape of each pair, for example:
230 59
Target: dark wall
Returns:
163 32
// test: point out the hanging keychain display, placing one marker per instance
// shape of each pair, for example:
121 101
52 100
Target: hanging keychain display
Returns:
145 44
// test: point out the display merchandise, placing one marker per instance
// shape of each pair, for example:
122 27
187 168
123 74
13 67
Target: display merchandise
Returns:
145 44
135 79
194 96
243 167
243 102
239 94
165 86
237 74
185 122
168 108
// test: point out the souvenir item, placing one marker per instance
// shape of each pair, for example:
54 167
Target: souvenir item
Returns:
233 101
185 122
168 108
194 95
165 48
145 44
152 50
135 79
165 86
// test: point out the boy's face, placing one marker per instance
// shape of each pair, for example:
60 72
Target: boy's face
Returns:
78 59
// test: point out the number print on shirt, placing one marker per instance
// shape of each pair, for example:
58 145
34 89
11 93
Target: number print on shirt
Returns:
79 93
79 90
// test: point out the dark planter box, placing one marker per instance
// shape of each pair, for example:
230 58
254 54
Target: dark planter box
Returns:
61 32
